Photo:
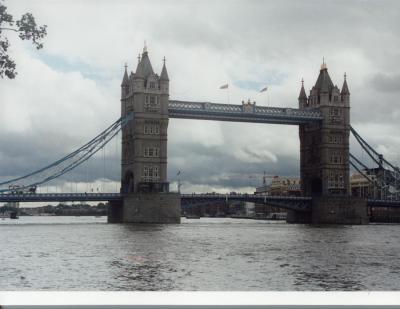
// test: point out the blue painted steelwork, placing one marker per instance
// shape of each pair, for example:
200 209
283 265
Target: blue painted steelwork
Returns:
286 202
60 197
385 177
246 112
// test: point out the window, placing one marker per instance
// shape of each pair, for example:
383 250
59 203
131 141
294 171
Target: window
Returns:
151 152
335 139
336 158
151 128
152 85
152 103
150 173
335 98
336 180
335 112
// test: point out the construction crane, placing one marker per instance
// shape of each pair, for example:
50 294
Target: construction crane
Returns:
264 178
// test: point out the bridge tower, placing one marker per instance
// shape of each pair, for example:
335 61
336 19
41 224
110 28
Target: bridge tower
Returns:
144 184
324 153
144 140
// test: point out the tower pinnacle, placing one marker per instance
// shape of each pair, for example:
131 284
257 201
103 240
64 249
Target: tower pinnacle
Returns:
164 73
302 95
345 88
323 65
125 80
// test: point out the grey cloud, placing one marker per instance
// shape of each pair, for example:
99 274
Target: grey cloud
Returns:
218 166
386 82
239 38
24 153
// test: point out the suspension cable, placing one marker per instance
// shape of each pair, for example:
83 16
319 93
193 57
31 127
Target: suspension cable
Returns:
72 160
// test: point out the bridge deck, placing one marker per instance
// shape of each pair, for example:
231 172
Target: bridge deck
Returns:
60 197
289 202
241 113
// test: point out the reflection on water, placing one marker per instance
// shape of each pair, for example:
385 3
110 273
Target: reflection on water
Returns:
85 253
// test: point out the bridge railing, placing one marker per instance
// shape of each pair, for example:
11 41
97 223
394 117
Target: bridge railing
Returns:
244 109
31 197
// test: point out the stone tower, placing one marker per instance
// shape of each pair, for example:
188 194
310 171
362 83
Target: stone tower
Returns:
324 146
144 139
144 187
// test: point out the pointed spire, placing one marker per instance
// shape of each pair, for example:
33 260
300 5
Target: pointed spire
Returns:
302 94
145 47
144 68
139 70
323 65
164 73
324 81
125 80
345 88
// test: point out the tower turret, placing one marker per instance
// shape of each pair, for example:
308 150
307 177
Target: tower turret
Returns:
138 78
302 96
125 83
345 93
164 79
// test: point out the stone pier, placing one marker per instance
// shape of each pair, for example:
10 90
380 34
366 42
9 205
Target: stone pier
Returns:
333 210
146 208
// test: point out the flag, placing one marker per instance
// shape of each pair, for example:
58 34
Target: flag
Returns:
179 172
264 89
224 86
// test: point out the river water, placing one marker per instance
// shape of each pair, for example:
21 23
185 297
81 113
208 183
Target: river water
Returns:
217 254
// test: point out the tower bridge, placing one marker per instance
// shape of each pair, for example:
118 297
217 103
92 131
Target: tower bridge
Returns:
323 118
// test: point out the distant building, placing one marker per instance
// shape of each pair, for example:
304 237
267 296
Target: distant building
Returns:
381 184
361 186
264 189
287 186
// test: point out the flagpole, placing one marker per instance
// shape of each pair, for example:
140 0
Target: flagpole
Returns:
226 86
265 89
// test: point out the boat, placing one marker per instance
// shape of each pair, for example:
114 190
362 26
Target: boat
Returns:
192 217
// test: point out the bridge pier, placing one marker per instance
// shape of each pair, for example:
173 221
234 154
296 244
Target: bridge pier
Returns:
146 208
339 210
114 214
333 210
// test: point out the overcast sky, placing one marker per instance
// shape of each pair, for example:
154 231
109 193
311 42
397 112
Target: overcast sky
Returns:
69 91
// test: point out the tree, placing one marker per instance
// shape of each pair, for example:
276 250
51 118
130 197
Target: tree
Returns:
26 28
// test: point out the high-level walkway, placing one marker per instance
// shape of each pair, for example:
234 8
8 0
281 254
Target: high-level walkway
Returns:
247 112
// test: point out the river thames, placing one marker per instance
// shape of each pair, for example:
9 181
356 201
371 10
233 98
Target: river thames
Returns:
207 254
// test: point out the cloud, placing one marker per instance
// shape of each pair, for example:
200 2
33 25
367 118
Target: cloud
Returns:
386 83
69 91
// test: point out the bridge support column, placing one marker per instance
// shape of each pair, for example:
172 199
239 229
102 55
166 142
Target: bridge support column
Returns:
298 217
339 210
151 208
114 212
332 210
